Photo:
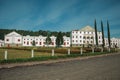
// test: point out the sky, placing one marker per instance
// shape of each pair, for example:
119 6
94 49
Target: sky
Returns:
59 15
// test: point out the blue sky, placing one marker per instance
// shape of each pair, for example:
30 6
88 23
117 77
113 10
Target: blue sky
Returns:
59 15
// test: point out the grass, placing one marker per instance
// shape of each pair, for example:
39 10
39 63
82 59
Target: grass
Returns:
16 54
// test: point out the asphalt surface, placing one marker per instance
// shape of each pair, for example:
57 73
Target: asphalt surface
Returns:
100 68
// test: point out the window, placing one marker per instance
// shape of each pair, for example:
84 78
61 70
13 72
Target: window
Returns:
91 41
7 39
84 37
76 36
27 43
24 42
91 37
80 36
67 42
83 41
72 40
52 43
80 41
40 43
99 37
64 43
36 42
18 40
88 37
73 36
76 40
99 41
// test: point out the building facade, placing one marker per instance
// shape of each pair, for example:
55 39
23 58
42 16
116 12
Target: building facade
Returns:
79 38
85 36
13 39
66 41
115 42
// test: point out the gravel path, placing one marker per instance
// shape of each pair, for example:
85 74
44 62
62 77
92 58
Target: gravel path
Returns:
97 68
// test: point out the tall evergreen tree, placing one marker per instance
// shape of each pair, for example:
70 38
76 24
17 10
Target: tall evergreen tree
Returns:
102 34
59 39
108 29
96 36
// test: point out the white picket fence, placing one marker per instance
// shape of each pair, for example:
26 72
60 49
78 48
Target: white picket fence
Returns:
32 53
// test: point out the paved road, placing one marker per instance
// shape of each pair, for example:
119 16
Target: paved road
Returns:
102 68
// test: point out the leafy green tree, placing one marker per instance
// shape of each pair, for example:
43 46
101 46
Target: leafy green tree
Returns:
59 39
96 36
33 43
108 29
48 39
102 34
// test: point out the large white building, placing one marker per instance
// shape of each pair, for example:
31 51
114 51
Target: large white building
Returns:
13 39
16 40
85 36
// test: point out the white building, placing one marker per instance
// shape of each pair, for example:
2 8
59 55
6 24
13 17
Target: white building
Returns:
28 40
85 36
53 43
66 41
13 39
39 41
114 42
1 43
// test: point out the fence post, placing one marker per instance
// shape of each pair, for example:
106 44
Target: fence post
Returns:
68 51
81 51
6 55
53 52
32 53
92 50
102 49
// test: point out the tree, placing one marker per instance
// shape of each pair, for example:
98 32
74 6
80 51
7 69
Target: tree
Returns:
102 34
96 36
48 39
33 43
108 29
59 39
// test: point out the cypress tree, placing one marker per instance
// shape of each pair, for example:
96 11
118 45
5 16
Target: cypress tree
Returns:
102 34
108 29
96 36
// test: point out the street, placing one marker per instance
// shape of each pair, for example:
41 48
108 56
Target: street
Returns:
100 68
